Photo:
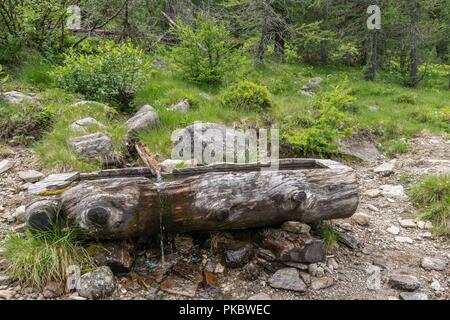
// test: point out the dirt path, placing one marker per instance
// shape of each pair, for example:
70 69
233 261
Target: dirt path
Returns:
359 274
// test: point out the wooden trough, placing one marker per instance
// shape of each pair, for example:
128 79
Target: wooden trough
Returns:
128 203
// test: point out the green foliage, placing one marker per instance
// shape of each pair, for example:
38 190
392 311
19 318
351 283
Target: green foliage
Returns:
247 96
318 132
37 74
25 119
432 196
205 53
113 74
346 53
407 98
394 147
309 40
329 236
40 257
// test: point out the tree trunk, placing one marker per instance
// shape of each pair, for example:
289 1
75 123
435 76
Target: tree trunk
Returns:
264 35
414 66
372 72
324 52
122 208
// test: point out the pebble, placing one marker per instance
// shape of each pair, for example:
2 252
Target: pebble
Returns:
413 296
361 218
373 193
321 283
346 226
288 279
385 169
407 223
436 286
393 230
260 296
404 240
425 225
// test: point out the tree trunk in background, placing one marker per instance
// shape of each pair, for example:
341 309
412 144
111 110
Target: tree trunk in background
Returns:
264 35
374 59
324 57
414 62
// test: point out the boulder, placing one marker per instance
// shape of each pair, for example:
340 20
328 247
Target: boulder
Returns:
96 147
169 165
385 169
361 149
97 284
395 191
431 263
81 124
15 97
145 118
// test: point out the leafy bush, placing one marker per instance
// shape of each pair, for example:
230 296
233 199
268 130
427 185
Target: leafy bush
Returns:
26 119
205 53
432 196
309 41
408 98
347 54
247 96
319 132
45 256
114 74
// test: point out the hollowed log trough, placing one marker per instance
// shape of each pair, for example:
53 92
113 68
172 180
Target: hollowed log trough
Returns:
128 203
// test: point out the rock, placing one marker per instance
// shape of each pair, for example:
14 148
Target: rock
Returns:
6 280
307 94
393 230
251 272
219 268
287 279
97 284
407 223
57 181
361 218
239 255
373 193
385 169
169 165
363 150
395 191
97 147
30 175
296 227
404 282
82 124
5 165
313 85
436 286
184 243
371 207
346 226
7 294
206 96
306 277
145 118
316 270
404 239
52 290
15 97
430 263
116 255
425 225
297 265
20 215
183 106
332 264
413 296
321 283
81 103
260 296
209 138
180 286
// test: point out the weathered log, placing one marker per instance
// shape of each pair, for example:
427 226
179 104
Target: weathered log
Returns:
124 208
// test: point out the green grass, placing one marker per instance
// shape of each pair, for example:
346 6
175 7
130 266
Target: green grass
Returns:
53 149
329 236
38 258
432 196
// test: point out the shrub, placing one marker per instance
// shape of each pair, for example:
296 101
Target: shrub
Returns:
432 196
27 119
205 53
38 258
408 98
114 74
247 96
319 132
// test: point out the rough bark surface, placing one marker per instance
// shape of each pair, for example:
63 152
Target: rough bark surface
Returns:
123 208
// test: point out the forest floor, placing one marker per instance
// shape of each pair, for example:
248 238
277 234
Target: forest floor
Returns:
359 274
